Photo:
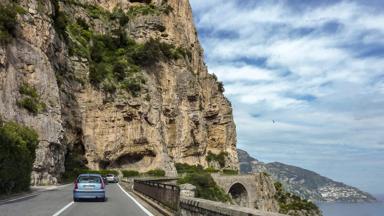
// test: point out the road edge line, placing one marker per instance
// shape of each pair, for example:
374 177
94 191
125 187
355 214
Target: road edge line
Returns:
135 201
31 194
63 209
2 202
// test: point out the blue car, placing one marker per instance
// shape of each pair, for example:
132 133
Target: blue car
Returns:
89 186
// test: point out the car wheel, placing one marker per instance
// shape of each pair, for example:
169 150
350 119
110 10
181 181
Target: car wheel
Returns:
75 200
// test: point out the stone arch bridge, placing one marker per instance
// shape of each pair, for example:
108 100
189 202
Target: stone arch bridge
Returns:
251 190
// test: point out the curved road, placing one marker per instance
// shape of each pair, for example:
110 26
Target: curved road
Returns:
59 202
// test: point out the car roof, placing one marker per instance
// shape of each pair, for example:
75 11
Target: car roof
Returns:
90 174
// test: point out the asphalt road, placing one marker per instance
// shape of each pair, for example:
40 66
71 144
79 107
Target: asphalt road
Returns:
59 202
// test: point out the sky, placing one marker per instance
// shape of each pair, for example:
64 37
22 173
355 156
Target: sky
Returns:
306 81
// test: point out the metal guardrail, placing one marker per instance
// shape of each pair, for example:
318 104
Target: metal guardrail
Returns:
166 194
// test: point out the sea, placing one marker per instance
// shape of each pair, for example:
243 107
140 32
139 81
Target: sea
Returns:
352 209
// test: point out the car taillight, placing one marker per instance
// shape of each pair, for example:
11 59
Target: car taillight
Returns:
76 184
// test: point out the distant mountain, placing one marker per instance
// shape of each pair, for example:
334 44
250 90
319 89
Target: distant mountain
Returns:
304 183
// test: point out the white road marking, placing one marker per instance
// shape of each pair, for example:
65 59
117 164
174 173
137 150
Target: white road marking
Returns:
63 209
135 201
20 198
33 194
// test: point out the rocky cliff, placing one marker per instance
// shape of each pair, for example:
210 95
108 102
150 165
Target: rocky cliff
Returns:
304 183
112 84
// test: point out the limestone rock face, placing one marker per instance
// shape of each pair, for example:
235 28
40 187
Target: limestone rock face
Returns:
26 60
179 116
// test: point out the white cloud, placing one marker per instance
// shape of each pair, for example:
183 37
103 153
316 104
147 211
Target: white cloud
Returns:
244 73
306 68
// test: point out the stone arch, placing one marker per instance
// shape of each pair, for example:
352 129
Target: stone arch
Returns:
239 194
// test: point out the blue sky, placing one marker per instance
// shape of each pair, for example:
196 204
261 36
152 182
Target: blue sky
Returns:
316 68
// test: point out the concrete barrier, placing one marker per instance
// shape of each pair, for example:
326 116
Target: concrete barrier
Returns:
202 207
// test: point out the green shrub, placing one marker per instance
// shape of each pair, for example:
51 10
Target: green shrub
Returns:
96 11
109 86
142 1
8 23
289 202
154 51
211 170
99 72
17 144
119 70
156 173
79 39
81 22
148 54
31 104
230 172
60 19
220 158
31 100
220 86
266 174
118 14
143 10
206 187
186 168
28 90
149 9
130 173
115 60
133 86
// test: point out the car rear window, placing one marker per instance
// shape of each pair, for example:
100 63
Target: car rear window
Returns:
89 179
110 175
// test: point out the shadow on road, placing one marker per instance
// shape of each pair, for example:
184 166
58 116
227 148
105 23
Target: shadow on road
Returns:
91 200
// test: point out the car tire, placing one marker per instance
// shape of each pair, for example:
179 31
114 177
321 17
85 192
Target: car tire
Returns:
75 200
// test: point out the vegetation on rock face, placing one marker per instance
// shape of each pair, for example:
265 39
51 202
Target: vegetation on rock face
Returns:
8 21
221 87
230 172
154 51
149 9
17 144
115 60
156 173
219 158
206 187
130 173
142 1
185 168
211 170
152 173
291 204
31 100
